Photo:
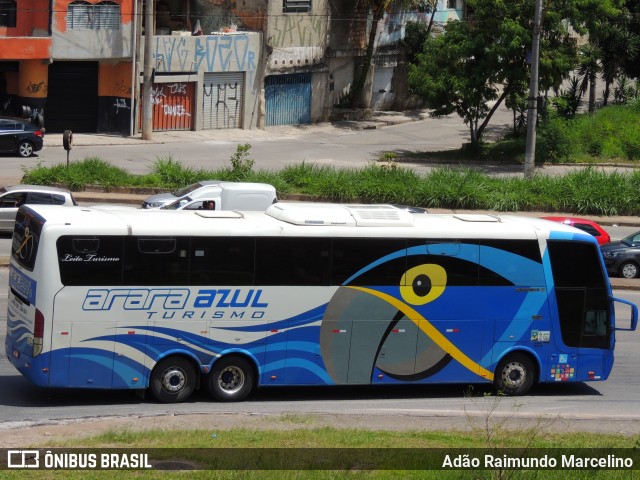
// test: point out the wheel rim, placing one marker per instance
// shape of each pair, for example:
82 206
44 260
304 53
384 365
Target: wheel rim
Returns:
629 270
173 379
513 375
25 149
231 379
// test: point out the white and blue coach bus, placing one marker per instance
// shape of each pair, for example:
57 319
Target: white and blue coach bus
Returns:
304 294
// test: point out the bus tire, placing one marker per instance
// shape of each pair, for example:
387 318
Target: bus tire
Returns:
231 379
173 380
514 374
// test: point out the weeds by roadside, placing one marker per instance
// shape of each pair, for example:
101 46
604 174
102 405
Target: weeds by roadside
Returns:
588 191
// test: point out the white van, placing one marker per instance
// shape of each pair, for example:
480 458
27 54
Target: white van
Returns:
216 195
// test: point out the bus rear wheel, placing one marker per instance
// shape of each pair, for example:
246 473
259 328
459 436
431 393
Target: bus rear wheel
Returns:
231 379
173 380
514 374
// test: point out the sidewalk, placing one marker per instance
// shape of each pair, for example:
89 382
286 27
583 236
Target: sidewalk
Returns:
368 121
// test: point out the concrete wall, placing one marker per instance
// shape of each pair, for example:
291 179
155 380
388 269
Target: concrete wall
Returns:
340 79
296 40
96 44
188 58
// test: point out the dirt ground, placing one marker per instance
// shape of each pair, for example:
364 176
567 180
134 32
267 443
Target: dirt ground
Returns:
51 434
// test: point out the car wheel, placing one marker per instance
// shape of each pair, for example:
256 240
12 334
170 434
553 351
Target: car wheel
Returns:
173 380
25 149
514 374
231 379
629 270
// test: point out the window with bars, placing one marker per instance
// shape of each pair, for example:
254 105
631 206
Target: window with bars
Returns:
296 6
8 13
452 4
86 16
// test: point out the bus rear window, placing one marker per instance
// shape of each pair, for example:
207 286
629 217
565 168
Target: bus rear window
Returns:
26 237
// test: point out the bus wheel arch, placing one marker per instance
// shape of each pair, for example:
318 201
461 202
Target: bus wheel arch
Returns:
173 379
515 373
232 378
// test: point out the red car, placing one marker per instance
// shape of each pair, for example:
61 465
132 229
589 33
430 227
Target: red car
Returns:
585 225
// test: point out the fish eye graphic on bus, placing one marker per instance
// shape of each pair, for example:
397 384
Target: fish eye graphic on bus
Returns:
384 324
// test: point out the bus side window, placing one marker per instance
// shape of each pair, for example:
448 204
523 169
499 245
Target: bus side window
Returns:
156 261
293 261
92 261
222 261
351 255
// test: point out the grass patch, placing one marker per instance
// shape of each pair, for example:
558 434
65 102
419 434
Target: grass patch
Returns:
587 191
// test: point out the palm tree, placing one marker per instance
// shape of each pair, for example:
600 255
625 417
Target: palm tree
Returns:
618 46
588 68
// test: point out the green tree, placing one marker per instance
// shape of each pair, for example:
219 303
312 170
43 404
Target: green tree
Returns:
588 69
476 62
618 45
484 59
377 9
631 67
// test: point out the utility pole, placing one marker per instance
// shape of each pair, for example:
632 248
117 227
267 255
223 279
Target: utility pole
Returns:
147 77
532 113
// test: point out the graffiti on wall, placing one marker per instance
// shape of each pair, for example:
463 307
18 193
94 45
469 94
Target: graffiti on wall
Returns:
121 104
297 31
122 88
35 88
216 53
222 103
171 99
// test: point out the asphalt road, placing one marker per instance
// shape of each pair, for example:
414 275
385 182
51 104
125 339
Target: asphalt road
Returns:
339 145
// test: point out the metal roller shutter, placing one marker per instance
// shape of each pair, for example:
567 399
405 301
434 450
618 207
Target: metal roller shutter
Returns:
288 99
222 100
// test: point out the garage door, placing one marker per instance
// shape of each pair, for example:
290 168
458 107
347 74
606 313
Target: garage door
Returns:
288 99
222 100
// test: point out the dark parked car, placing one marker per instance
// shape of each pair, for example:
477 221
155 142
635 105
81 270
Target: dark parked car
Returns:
20 136
623 257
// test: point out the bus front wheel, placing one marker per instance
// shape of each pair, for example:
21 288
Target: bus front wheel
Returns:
231 379
173 380
514 374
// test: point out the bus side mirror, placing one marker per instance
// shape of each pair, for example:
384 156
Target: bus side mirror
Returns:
634 314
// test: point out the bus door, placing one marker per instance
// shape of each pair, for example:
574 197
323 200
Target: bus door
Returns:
584 337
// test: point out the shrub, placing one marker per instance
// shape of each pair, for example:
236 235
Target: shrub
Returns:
553 141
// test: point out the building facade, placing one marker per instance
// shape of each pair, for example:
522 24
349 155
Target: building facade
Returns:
217 64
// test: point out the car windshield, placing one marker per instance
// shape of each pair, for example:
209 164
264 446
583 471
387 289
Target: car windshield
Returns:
176 205
186 190
632 239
